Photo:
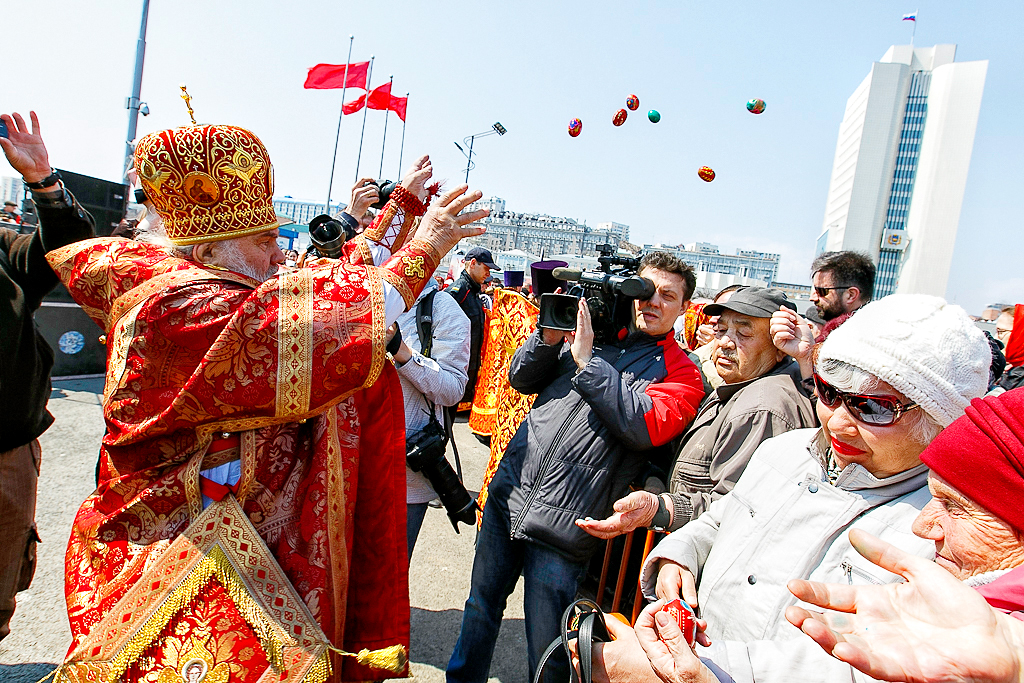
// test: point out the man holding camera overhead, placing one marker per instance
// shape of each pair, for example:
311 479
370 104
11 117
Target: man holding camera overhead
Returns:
600 410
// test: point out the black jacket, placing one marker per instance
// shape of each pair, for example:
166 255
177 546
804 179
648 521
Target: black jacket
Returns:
466 291
25 278
585 438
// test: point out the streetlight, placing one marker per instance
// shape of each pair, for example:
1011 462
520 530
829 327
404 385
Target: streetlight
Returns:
496 129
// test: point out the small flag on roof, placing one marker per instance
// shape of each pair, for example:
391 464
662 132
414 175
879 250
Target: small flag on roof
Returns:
910 17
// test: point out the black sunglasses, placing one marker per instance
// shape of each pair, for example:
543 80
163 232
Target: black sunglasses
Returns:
823 291
878 411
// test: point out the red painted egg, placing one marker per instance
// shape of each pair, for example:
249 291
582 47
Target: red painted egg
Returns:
685 617
575 127
619 118
706 174
633 102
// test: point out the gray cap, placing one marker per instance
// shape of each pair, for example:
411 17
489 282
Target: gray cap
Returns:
812 314
757 302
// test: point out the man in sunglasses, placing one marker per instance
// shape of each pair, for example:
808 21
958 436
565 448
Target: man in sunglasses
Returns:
890 379
841 282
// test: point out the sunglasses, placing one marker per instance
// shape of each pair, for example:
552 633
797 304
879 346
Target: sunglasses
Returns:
878 411
823 291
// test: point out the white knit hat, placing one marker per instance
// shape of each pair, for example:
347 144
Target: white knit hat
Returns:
927 349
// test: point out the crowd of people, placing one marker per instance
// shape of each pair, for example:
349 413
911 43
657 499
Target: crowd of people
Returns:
834 493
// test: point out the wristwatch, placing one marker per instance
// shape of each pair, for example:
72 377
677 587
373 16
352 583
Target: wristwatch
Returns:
48 181
662 518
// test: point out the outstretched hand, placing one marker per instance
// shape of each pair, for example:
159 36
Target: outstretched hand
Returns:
25 150
415 180
931 628
635 510
444 224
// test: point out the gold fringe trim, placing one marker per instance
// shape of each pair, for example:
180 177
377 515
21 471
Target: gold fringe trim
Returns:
392 658
216 564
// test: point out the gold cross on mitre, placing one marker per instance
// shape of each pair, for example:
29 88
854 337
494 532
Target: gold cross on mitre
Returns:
188 103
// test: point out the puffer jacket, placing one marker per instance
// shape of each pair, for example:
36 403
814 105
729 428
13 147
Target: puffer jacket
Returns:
585 438
783 521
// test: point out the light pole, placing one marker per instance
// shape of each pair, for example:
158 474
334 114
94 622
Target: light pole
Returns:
134 104
496 129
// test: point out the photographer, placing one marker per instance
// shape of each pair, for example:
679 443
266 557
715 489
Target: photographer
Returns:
433 377
598 409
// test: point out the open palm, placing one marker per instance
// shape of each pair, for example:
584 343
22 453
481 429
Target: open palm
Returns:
24 149
931 628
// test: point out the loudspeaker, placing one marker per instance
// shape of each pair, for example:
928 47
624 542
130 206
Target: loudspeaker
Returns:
74 338
105 200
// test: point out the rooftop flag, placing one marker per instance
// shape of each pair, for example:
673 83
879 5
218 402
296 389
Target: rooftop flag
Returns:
331 76
910 17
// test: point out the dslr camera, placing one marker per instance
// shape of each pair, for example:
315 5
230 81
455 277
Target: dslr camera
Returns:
327 235
384 190
609 293
424 452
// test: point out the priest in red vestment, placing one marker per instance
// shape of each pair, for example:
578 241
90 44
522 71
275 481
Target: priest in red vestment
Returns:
249 523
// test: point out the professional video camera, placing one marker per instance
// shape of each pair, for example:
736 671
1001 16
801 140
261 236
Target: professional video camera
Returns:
424 452
609 294
326 236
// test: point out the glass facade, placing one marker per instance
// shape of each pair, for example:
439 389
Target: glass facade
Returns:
890 260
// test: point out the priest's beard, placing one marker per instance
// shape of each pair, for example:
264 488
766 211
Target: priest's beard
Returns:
230 256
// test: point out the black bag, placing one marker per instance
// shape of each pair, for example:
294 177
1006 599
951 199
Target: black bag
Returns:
584 621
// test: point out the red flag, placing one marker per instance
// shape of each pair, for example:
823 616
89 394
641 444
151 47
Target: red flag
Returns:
398 106
379 98
354 106
330 76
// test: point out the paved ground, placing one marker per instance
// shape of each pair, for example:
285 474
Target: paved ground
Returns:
439 575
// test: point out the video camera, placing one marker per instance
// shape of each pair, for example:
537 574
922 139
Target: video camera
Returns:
609 294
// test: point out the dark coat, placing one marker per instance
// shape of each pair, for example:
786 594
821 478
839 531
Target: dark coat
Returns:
466 291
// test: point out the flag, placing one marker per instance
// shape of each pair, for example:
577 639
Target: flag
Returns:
910 17
379 98
330 76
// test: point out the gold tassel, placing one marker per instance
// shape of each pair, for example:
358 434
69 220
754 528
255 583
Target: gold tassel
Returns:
392 658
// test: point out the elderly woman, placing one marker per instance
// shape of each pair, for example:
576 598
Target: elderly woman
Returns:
977 524
888 381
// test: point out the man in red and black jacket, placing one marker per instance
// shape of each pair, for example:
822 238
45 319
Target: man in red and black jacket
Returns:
599 412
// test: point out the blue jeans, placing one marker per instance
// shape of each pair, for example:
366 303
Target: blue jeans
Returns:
550 583
415 512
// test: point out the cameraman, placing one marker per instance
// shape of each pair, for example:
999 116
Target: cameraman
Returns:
364 195
432 381
598 409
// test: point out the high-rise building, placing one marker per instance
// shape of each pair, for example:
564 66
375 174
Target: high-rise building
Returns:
303 212
901 166
11 190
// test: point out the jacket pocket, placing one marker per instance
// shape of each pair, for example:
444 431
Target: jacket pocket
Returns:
28 560
851 571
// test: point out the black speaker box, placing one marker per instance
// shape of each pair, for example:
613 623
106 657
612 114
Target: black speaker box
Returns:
74 338
105 200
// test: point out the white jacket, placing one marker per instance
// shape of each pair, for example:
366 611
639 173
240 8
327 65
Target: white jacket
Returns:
785 521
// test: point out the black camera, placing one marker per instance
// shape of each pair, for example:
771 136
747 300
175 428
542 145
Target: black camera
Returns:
327 235
424 452
609 294
384 190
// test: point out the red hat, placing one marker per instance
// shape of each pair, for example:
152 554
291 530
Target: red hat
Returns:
982 455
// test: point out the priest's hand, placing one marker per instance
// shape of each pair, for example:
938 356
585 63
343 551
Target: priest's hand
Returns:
671 657
444 224
415 180
635 510
931 628
25 150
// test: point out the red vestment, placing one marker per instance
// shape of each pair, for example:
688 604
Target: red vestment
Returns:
194 352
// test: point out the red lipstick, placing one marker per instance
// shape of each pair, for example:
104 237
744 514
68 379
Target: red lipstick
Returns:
845 449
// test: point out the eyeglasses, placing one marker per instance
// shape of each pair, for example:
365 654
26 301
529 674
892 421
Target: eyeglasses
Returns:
878 411
823 291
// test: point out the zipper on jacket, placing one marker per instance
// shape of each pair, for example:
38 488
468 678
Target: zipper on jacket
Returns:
544 467
849 570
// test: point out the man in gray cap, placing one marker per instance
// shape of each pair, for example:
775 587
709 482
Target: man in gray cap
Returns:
467 290
760 398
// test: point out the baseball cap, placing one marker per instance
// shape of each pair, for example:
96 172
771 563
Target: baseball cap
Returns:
482 256
757 302
812 314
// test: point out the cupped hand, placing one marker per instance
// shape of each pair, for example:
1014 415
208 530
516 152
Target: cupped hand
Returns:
671 657
444 224
635 510
930 628
790 333
24 149
676 581
415 180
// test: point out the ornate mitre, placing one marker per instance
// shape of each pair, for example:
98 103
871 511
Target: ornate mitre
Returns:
208 182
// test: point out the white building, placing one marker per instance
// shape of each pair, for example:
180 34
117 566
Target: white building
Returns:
901 165
744 267
303 212
11 190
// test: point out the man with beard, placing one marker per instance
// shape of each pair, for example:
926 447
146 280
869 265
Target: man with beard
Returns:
841 282
760 398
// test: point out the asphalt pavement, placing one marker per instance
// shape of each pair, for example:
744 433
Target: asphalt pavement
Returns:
439 574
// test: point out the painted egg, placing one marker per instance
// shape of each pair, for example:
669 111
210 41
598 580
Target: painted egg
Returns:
706 174
633 102
685 617
756 106
575 127
654 116
619 118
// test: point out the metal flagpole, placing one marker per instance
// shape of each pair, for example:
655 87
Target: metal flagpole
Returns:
369 82
402 148
337 136
133 102
387 113
912 35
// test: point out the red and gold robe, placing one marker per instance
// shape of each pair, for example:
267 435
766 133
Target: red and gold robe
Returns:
309 554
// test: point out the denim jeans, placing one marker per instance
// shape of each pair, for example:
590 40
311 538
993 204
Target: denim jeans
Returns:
415 512
550 583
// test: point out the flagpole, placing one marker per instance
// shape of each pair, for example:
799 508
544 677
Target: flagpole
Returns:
402 148
913 34
337 135
366 108
387 113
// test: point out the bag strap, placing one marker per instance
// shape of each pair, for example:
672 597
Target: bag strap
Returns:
425 322
584 621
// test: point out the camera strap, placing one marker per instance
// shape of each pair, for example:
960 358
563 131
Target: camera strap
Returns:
425 332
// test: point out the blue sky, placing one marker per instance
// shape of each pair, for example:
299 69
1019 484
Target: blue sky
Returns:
534 66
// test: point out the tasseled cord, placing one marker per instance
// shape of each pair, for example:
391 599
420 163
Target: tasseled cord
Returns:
392 658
